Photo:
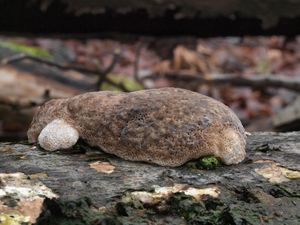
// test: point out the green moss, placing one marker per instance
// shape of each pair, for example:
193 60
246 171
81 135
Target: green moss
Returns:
205 163
29 50
235 206
183 209
208 212
209 162
77 212
131 211
128 83
289 189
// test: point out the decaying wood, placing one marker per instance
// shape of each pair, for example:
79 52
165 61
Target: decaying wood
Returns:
255 81
264 189
288 118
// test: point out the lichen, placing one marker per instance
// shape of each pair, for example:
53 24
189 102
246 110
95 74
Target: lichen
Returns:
73 212
13 219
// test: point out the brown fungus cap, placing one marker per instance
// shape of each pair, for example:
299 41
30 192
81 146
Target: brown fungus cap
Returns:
166 126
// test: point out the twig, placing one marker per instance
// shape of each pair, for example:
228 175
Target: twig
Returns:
100 73
102 76
137 61
22 56
255 81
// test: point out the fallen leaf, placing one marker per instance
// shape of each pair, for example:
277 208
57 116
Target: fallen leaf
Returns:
103 167
275 173
6 149
38 175
188 59
291 174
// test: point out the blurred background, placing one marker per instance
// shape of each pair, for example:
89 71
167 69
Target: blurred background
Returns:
243 53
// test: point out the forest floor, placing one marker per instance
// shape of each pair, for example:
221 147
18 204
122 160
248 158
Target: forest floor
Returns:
150 57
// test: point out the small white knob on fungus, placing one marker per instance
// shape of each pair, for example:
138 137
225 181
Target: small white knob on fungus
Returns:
58 134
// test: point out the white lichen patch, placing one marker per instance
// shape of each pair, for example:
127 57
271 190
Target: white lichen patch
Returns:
198 193
165 192
275 173
58 135
28 195
103 167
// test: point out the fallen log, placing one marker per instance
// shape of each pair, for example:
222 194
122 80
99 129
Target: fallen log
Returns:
89 186
151 17
288 118
254 81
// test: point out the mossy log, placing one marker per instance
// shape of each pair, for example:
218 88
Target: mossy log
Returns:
92 187
152 17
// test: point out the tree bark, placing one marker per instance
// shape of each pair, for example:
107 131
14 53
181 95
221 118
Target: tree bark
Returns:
264 189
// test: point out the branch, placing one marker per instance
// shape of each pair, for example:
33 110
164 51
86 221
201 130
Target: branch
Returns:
100 73
137 61
22 56
102 76
255 81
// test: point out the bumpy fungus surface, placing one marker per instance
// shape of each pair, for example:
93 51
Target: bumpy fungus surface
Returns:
167 126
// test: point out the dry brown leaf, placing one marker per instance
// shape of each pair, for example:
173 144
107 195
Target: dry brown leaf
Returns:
204 49
38 175
31 208
291 174
163 67
6 149
188 59
103 167
276 173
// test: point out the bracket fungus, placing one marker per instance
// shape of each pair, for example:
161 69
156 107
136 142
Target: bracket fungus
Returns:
167 126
